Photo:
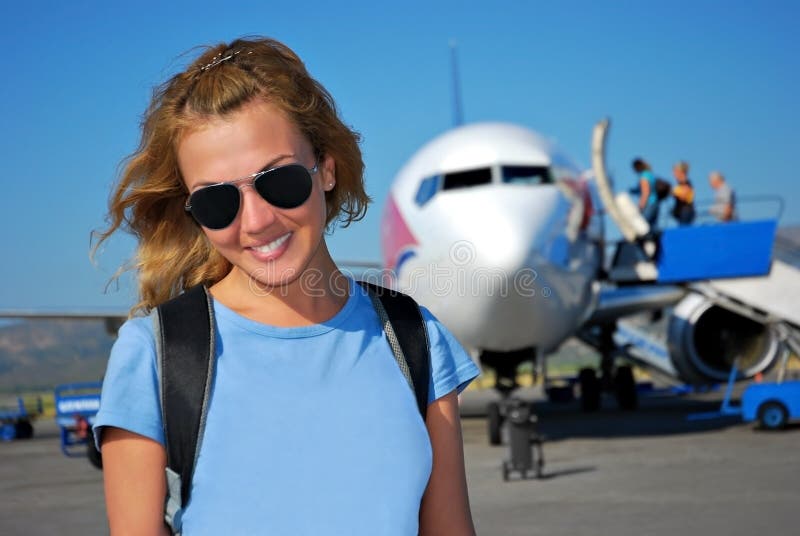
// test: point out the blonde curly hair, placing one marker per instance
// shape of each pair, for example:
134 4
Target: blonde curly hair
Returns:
173 253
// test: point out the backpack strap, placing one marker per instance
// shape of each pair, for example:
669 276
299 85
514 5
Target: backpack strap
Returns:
186 359
184 329
407 335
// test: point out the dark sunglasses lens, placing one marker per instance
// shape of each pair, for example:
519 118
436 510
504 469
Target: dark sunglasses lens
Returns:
215 206
286 186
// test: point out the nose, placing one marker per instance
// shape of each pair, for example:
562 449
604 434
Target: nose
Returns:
256 214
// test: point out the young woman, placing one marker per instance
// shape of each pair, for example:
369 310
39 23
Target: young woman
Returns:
648 201
311 427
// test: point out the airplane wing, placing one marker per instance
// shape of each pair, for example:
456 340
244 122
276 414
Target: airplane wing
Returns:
113 318
614 303
63 315
356 267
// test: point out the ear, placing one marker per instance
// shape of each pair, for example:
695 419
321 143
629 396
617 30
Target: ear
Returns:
328 173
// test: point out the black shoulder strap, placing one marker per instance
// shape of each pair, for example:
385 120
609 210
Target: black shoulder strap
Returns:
186 353
186 366
405 328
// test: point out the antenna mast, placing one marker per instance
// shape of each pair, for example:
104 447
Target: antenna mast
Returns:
458 116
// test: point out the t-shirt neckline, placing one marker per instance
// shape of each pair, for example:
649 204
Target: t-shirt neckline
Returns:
224 313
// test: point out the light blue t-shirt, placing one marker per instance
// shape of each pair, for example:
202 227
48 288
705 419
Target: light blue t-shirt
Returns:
310 430
652 198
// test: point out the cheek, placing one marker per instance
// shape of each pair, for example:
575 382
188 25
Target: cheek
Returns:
320 208
325 209
221 238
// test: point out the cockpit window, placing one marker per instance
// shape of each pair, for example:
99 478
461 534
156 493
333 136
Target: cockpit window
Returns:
427 189
465 179
526 175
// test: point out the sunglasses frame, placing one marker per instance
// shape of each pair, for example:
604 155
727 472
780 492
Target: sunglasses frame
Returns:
249 180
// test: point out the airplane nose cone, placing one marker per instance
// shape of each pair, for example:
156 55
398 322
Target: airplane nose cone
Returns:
497 276
507 228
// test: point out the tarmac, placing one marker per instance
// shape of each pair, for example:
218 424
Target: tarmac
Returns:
646 472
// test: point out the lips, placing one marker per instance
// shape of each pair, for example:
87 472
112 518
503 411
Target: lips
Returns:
271 250
272 246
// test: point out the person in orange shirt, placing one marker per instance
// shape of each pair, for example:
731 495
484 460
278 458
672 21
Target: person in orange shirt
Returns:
683 193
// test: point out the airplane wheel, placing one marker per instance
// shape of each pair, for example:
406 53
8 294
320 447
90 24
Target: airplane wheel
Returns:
590 389
772 416
24 429
495 422
625 388
95 458
560 394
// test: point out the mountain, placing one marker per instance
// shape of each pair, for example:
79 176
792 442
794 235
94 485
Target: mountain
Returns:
39 354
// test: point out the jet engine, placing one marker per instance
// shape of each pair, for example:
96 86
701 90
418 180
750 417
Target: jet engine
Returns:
705 338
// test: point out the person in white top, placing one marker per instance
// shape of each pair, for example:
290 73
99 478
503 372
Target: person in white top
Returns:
724 207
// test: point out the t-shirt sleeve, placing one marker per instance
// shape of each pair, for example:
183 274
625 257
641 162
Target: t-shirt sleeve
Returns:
451 366
130 396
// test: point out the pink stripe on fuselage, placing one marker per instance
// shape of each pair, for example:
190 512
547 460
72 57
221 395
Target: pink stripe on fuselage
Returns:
395 234
582 189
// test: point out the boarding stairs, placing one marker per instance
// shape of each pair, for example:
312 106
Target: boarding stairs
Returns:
696 253
730 263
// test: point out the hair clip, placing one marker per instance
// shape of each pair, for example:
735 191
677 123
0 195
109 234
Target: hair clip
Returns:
219 58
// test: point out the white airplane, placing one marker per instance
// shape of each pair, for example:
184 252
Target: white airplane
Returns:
501 236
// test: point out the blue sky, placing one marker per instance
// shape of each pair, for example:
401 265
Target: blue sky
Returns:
711 82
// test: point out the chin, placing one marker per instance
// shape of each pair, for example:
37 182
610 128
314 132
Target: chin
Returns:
272 278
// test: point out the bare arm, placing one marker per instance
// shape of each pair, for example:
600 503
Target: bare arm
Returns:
644 187
445 506
135 485
727 214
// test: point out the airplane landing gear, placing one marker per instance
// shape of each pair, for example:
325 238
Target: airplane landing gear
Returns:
617 379
622 384
590 389
525 444
505 365
494 421
625 388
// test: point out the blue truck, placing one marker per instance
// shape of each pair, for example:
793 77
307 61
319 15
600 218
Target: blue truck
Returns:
16 421
772 404
76 406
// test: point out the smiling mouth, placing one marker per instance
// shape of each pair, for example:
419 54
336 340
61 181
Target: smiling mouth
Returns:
272 246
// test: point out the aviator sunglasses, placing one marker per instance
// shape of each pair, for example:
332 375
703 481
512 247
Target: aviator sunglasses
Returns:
217 205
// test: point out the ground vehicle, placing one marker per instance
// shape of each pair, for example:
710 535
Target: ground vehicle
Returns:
775 403
76 406
15 421
772 404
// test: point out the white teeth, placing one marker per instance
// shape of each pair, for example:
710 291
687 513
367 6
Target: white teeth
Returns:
272 246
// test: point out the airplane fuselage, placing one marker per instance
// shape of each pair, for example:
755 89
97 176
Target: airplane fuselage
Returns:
493 230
